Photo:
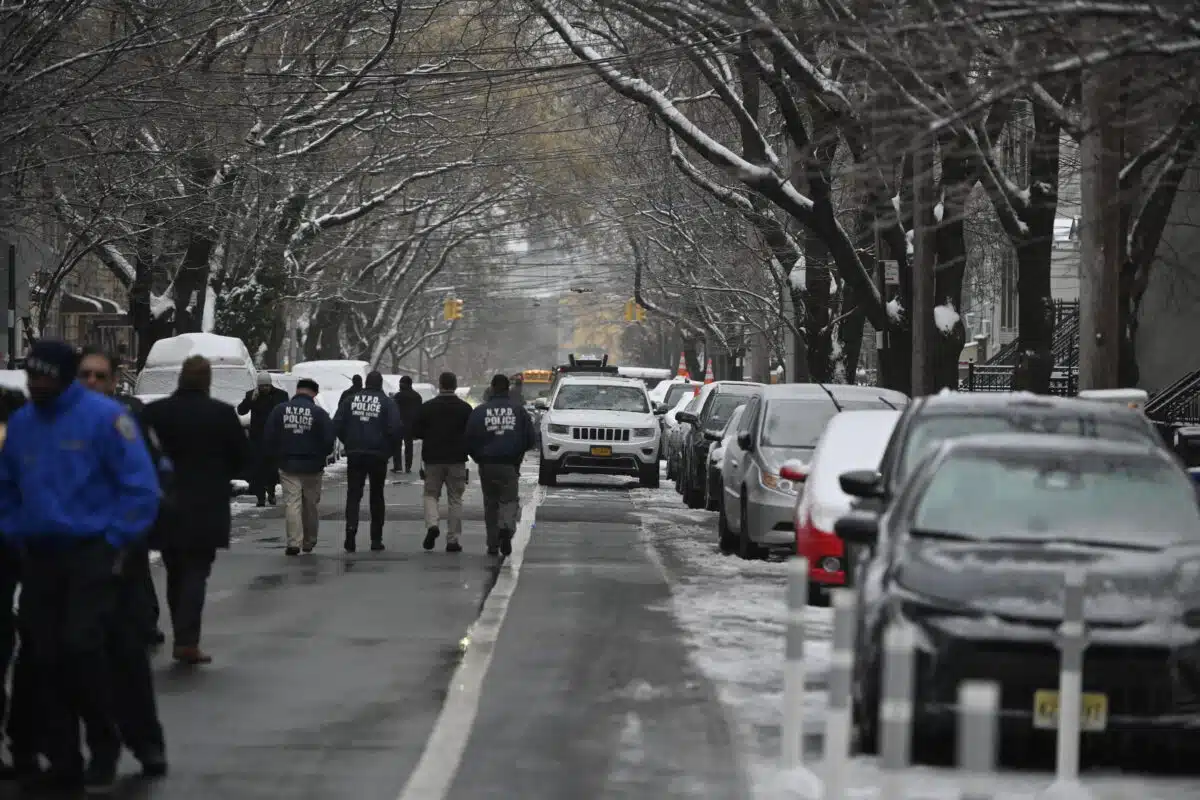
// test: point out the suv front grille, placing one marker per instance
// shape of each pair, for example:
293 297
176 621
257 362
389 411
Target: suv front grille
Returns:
600 434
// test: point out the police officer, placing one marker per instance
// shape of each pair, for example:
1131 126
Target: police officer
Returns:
408 401
73 533
498 435
368 423
299 437
136 612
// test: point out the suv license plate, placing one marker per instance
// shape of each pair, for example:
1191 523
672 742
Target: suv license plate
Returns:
602 451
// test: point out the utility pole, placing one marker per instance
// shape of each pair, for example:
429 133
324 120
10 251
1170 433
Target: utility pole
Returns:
12 305
1099 229
924 335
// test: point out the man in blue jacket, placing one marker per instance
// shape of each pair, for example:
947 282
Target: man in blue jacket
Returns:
498 435
298 437
77 487
368 423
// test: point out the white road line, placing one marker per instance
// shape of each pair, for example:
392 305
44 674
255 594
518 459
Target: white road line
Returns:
434 774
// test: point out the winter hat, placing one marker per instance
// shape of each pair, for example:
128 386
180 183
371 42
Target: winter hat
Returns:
374 380
264 379
53 359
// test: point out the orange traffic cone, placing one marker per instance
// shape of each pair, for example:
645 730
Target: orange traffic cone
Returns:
682 372
708 373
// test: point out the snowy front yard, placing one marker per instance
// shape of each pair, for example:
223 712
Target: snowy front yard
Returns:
732 613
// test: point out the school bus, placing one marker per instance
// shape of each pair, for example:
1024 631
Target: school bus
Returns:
537 382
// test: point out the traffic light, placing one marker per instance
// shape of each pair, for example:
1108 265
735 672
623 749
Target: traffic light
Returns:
452 310
634 312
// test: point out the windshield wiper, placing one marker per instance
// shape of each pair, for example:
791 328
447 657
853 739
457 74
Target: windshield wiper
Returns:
885 401
921 533
1096 543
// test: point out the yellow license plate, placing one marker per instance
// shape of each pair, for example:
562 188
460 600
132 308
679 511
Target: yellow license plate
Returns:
602 451
1093 715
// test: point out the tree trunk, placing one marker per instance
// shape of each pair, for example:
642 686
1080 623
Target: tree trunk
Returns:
951 260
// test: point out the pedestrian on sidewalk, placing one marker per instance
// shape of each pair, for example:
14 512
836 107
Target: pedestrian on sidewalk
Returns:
408 402
259 403
368 423
441 425
76 488
299 437
498 435
355 386
203 438
135 621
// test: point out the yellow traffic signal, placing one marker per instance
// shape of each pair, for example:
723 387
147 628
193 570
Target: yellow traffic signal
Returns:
634 312
641 314
452 310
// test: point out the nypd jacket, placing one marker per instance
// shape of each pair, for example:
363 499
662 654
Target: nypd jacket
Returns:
368 423
77 469
299 436
499 432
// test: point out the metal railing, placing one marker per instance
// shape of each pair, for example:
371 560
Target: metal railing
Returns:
1064 381
1065 344
978 704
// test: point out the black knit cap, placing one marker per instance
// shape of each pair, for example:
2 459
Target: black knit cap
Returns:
53 359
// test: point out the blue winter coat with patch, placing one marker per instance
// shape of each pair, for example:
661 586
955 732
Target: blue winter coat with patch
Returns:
368 423
299 436
499 432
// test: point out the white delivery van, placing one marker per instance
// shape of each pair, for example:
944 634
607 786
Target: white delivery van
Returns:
233 371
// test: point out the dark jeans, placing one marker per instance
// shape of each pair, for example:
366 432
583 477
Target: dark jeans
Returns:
187 581
133 681
360 469
404 452
264 477
501 502
67 602
21 703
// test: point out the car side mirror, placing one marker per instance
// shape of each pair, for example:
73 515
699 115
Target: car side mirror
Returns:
864 483
686 417
660 409
795 471
745 441
858 528
713 436
541 404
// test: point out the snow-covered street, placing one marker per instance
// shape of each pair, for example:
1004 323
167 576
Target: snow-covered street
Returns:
733 614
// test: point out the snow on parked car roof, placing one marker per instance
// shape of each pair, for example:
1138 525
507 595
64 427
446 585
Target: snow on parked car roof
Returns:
852 440
219 350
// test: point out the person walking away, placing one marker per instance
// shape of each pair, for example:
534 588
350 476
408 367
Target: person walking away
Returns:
516 392
135 619
498 435
408 401
18 705
441 425
259 403
355 386
368 423
203 438
299 437
77 487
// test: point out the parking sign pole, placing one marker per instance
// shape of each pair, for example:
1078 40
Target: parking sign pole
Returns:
841 667
793 667
978 720
1071 643
896 710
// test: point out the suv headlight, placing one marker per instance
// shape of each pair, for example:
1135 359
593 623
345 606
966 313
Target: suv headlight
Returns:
770 480
562 429
642 433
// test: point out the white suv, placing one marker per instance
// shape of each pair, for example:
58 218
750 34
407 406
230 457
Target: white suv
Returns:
600 425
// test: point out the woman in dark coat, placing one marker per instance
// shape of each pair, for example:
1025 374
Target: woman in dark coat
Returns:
204 440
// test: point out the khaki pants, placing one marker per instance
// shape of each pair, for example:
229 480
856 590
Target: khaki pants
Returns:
301 497
454 478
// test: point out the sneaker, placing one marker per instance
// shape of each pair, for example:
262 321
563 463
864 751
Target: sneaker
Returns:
493 551
261 504
308 548
292 551
192 656
453 547
271 499
100 778
431 536
154 764
376 546
349 545
506 543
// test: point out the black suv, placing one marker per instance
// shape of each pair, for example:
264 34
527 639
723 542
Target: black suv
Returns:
723 399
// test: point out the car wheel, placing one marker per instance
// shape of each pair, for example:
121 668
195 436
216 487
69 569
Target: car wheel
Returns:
648 475
864 708
670 469
747 548
712 494
693 496
727 540
547 474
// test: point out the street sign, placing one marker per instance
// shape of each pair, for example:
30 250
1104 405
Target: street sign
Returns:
891 273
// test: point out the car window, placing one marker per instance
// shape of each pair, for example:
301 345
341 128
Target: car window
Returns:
1137 500
601 397
928 431
676 391
749 416
795 423
721 409
735 420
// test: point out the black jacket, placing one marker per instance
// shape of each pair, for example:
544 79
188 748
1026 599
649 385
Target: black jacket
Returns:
347 393
204 440
499 432
441 426
259 406
409 403
299 436
368 423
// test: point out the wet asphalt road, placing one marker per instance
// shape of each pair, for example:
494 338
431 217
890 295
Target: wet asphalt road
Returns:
331 670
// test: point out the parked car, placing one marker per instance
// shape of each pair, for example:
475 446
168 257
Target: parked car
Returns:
717 403
716 455
852 440
979 538
931 420
673 437
781 423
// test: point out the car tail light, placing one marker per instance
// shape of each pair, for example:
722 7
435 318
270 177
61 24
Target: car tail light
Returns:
811 535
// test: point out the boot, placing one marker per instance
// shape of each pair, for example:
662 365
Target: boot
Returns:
191 655
431 536
349 545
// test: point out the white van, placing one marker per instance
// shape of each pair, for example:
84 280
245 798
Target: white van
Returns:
233 371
